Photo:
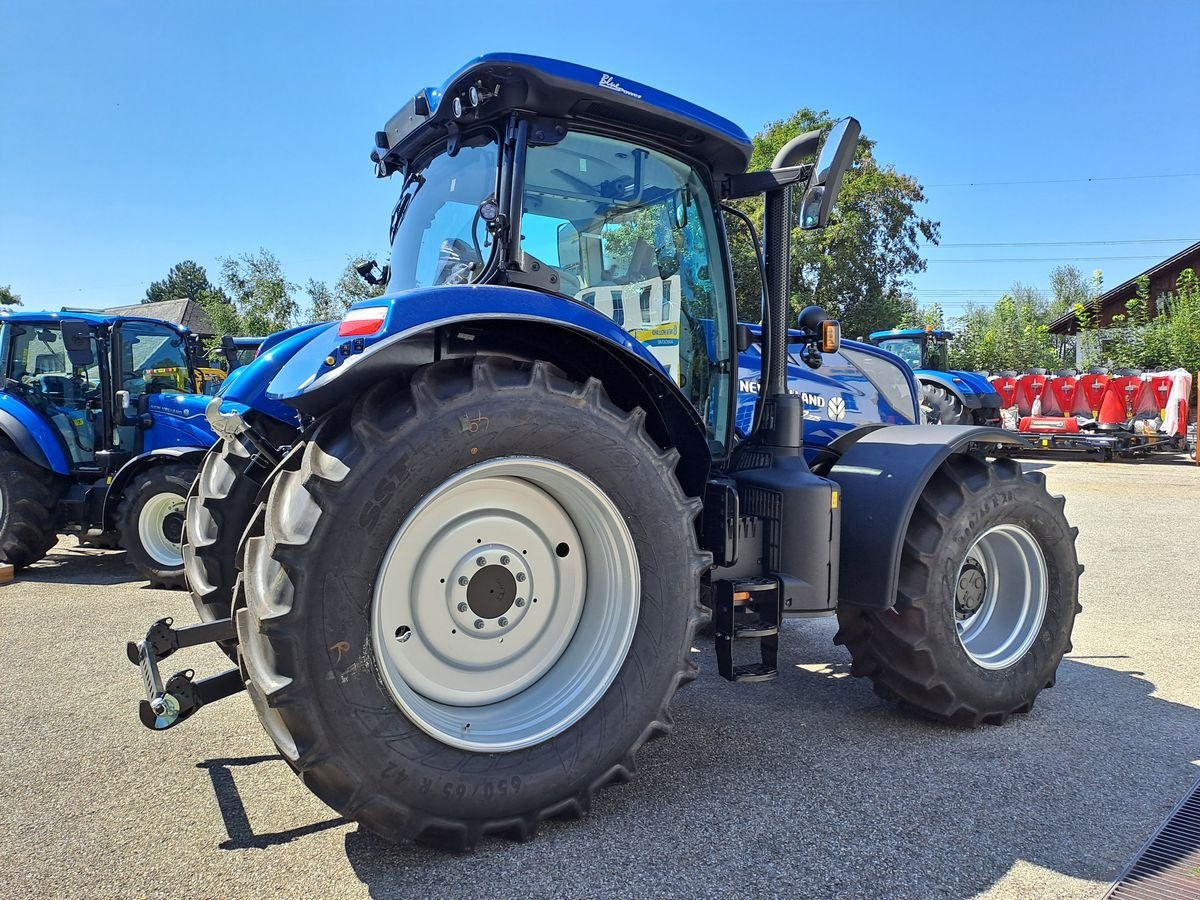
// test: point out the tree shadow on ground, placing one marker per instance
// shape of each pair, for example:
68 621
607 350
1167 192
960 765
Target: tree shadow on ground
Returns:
69 563
811 786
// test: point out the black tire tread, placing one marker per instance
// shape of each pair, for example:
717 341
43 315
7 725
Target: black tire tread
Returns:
270 625
29 521
892 647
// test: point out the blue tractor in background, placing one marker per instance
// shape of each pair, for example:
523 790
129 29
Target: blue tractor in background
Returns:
948 397
463 589
101 432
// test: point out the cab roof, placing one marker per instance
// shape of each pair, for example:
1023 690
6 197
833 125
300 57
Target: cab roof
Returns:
558 89
92 318
911 332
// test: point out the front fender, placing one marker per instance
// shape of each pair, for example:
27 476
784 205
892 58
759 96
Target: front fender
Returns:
882 476
422 326
32 435
306 378
961 387
141 462
246 386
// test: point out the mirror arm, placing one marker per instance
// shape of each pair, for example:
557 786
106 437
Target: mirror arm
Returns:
751 184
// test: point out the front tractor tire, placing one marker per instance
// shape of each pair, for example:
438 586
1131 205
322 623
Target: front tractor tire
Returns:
150 520
942 407
987 598
470 600
220 506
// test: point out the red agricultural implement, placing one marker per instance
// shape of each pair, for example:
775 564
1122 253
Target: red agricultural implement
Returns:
1100 415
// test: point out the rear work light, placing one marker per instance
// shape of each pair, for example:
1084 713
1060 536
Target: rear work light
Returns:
360 322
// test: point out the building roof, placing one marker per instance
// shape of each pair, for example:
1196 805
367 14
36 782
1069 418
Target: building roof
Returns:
183 311
1112 302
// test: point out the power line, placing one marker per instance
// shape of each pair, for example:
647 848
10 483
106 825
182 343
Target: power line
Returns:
1065 180
1042 259
1076 243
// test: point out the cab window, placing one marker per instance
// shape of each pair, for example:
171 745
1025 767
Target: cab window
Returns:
632 234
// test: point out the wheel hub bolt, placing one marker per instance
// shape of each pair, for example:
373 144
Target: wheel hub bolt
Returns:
520 576
504 560
462 607
479 623
503 621
520 602
463 580
480 561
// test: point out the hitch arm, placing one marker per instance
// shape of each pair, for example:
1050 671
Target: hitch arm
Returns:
168 705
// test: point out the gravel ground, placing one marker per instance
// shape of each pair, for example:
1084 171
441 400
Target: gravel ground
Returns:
809 786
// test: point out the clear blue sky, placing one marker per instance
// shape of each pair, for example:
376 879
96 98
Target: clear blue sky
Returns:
137 134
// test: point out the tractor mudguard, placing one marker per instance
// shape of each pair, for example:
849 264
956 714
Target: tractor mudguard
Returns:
32 435
882 475
422 325
247 385
141 462
963 386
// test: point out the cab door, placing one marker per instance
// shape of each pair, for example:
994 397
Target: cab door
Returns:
58 376
148 358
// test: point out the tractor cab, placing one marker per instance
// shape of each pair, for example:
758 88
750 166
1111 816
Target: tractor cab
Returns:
88 379
921 348
587 201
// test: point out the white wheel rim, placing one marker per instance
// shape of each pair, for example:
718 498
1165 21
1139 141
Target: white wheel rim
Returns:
160 529
1001 596
506 604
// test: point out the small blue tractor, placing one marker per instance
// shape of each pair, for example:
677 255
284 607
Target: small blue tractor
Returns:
948 397
101 432
464 593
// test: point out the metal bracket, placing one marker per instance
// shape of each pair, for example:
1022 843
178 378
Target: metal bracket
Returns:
168 705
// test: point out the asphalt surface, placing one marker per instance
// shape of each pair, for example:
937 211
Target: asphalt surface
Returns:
809 786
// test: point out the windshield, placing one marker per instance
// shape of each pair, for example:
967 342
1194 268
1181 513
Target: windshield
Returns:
935 356
437 235
908 349
632 234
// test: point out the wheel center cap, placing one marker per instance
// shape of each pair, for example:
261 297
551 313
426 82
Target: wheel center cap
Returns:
491 592
972 587
173 527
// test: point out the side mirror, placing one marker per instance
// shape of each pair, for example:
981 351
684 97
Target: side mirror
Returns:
366 270
837 152
77 338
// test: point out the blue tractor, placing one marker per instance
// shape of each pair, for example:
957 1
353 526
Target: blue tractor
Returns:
101 432
462 597
948 397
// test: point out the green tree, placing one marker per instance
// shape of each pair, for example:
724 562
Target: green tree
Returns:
858 267
1135 339
264 298
1012 334
7 297
326 304
186 279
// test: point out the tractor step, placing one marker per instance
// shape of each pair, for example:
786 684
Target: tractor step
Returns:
168 705
747 610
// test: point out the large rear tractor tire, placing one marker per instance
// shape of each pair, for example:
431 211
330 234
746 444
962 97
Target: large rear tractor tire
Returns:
28 497
470 600
941 407
988 594
150 522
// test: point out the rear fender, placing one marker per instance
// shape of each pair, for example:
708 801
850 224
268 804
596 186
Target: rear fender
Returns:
423 326
32 435
139 464
882 475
